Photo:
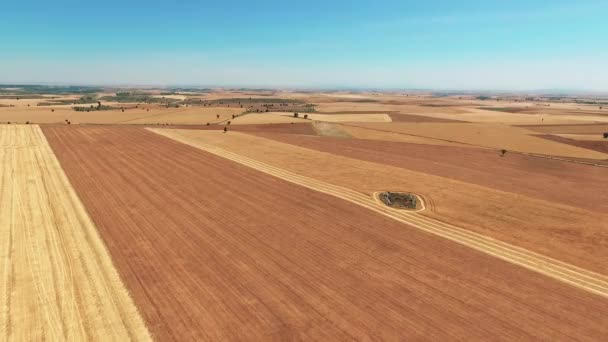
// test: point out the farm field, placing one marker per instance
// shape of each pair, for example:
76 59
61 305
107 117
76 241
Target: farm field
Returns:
486 135
535 177
167 222
328 270
508 216
143 115
57 279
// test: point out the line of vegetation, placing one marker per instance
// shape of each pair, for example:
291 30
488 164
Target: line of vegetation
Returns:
134 97
250 100
93 108
591 102
82 100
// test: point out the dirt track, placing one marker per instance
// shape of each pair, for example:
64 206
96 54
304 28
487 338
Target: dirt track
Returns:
207 251
57 281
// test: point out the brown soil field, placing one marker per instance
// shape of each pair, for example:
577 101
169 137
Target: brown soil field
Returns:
487 135
577 236
328 270
553 268
600 146
584 137
569 129
291 128
57 281
586 186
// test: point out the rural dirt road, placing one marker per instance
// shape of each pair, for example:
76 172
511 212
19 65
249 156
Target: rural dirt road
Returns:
57 280
575 276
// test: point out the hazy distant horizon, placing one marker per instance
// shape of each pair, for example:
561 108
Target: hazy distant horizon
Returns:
436 45
565 92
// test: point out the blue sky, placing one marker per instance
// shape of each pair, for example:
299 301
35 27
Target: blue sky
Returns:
502 45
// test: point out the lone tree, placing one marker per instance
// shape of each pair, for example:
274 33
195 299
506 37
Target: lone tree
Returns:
503 152
305 116
218 116
605 135
295 115
225 129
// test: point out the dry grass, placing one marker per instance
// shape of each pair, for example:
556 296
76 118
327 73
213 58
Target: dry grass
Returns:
57 279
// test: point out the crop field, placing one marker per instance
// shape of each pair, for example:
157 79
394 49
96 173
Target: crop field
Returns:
57 279
178 215
515 217
274 275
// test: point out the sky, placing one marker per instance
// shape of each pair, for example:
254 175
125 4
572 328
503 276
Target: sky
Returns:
435 44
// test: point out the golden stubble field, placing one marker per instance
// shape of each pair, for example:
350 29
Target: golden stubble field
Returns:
57 280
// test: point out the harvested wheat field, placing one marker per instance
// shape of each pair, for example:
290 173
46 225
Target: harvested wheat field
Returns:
57 280
486 135
541 178
351 117
144 114
185 116
215 267
552 228
382 135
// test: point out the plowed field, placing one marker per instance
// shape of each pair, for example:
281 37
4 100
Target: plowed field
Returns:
211 250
